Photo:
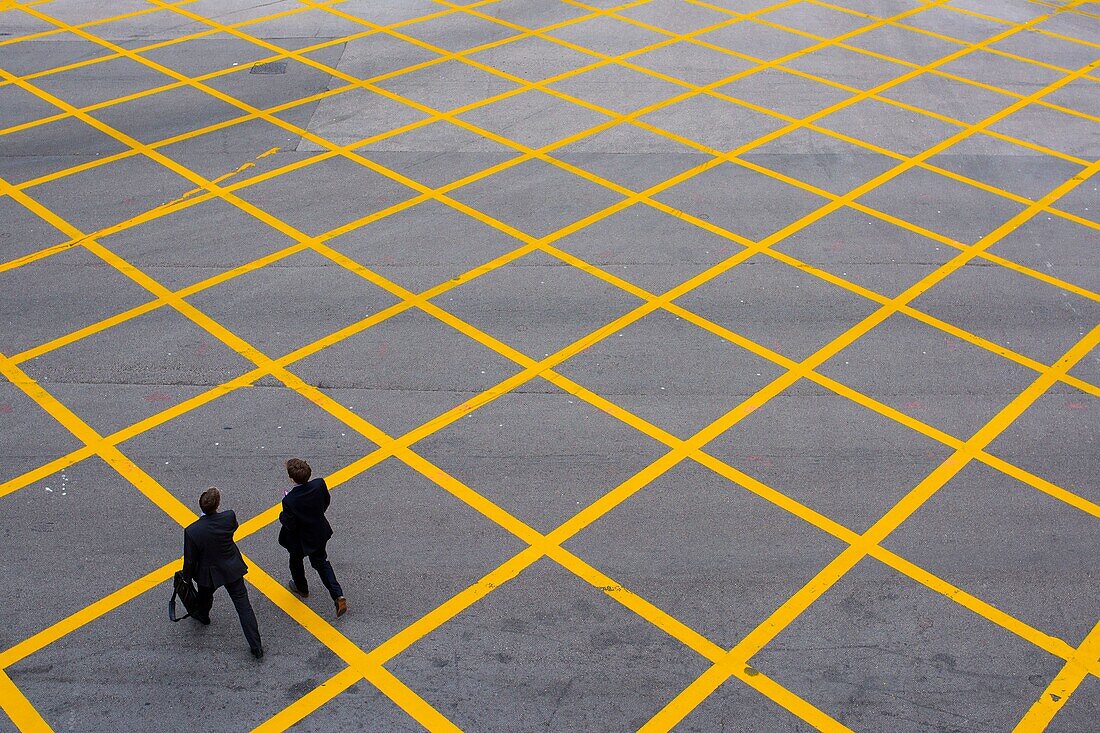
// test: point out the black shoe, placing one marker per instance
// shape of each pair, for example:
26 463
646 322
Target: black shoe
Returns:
293 588
258 652
204 620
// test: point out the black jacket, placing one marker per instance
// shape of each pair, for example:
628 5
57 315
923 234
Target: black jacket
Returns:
210 556
304 525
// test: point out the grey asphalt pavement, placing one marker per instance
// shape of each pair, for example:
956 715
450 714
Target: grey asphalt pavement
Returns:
707 366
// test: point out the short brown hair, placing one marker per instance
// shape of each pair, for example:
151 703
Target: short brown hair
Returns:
298 470
209 500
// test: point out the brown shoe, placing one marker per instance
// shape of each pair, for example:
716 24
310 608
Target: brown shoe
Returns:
341 606
293 588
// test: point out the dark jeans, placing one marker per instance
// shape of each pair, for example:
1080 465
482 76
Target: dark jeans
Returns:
239 593
320 563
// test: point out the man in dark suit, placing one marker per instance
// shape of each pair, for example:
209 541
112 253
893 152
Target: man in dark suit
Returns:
211 559
305 532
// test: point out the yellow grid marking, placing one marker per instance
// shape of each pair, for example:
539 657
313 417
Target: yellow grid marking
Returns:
310 702
980 342
1063 686
14 702
12 5
937 72
148 47
952 39
1043 31
549 544
1019 268
229 70
1025 271
838 42
109 453
366 668
767 630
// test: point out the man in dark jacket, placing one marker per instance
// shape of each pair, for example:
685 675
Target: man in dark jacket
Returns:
211 559
305 532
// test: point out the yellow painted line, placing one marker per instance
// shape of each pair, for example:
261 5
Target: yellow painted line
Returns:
358 158
13 702
774 691
983 16
10 5
148 47
149 216
105 605
246 379
105 160
136 311
109 453
972 13
1050 644
996 52
687 636
698 146
399 294
310 702
435 618
780 63
36 256
44 471
1057 492
229 70
89 613
81 333
348 651
989 257
684 634
201 34
712 678
1071 39
436 479
549 375
655 615
1062 687
543 82
937 72
1075 10
924 113
237 69
106 57
886 100
16 704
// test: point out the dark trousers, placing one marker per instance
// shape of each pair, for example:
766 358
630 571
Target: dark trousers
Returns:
319 560
239 593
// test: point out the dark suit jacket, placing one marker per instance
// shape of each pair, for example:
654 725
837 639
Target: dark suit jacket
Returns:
210 556
304 525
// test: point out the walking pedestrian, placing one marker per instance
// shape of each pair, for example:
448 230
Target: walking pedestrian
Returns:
212 560
306 532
